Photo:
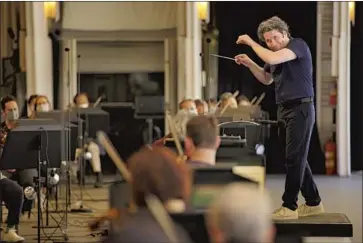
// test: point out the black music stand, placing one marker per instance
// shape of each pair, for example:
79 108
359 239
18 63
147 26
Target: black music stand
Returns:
150 108
30 146
92 121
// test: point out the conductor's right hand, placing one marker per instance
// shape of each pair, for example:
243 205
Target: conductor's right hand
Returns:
243 59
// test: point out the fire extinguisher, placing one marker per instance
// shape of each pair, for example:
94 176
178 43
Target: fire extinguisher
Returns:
333 96
330 158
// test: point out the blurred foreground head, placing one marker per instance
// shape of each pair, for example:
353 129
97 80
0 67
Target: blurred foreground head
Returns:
241 214
156 170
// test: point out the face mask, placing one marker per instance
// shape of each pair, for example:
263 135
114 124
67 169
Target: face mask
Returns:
212 110
43 108
12 115
83 105
192 111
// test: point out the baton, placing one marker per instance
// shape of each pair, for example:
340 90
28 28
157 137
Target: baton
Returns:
224 57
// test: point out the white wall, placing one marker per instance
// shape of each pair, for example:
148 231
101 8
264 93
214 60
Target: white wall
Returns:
112 16
121 57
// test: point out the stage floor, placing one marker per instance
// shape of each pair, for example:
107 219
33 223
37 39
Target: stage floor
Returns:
340 195
94 199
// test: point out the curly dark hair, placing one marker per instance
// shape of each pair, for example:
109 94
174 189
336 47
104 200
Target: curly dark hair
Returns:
273 23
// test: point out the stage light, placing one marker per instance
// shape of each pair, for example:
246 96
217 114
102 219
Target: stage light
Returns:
352 12
50 10
203 11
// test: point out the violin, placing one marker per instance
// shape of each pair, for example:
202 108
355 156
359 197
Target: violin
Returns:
104 141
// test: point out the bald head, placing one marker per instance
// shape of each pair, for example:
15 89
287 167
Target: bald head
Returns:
241 214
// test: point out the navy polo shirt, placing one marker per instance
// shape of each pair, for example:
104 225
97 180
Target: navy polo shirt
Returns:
293 79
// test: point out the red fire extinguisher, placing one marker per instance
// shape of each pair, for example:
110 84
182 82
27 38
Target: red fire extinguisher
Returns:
330 157
333 96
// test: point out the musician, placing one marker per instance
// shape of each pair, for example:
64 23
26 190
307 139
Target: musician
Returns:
81 101
228 98
10 192
23 177
212 105
41 104
187 109
241 213
154 170
202 107
202 141
243 101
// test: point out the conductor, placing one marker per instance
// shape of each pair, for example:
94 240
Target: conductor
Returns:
288 63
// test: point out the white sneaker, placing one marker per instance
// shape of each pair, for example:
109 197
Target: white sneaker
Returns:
305 210
284 213
11 236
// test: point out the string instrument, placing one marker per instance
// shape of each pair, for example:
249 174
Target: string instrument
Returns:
104 141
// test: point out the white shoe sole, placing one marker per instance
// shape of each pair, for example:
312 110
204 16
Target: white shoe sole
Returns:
279 218
311 214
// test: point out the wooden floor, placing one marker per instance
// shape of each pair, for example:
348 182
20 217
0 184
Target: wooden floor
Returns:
77 225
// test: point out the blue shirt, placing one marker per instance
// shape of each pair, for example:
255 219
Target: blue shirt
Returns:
293 79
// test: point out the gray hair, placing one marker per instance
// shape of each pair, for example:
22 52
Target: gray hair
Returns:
226 96
273 23
242 212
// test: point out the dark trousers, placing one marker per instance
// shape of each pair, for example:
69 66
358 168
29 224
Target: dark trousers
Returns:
11 194
25 178
299 119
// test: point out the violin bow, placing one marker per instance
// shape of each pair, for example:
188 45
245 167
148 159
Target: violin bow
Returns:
235 94
173 131
153 203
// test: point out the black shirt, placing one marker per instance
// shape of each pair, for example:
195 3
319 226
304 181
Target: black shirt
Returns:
293 79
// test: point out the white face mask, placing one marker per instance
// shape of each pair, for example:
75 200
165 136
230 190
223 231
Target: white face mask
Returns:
212 109
191 111
83 106
43 108
12 115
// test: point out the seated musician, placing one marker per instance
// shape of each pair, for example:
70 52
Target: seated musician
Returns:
243 101
25 177
202 140
81 101
241 214
11 193
41 104
202 107
212 105
154 170
187 109
228 98
29 106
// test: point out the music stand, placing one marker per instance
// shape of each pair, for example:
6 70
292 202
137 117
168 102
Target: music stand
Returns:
90 121
32 146
149 108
